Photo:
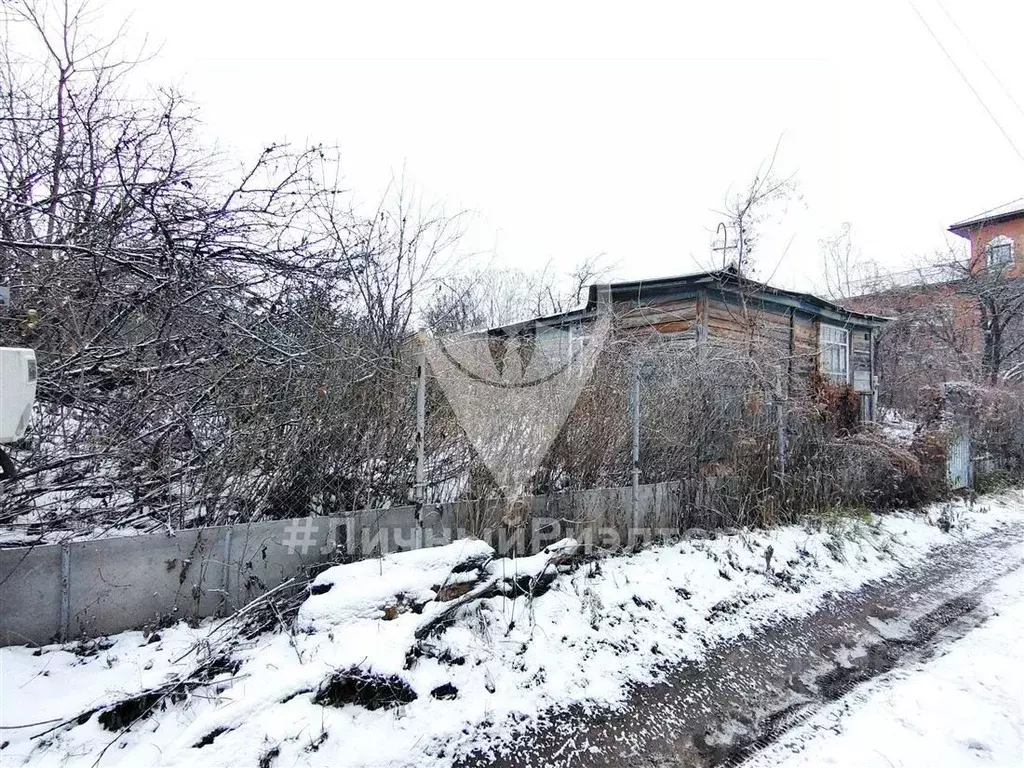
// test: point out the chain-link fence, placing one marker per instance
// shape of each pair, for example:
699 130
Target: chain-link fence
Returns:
220 344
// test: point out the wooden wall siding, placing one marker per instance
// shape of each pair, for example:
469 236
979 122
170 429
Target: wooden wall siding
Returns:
860 341
752 325
805 346
860 358
669 318
787 336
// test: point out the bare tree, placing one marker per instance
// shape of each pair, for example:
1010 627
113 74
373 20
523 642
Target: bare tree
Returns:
847 272
746 210
491 297
954 319
999 297
214 343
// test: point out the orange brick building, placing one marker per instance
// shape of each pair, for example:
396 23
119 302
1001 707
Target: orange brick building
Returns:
997 238
940 331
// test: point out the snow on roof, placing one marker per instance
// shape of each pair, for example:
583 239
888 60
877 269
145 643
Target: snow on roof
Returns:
1007 210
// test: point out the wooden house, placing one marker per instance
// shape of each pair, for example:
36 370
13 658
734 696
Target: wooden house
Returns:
799 332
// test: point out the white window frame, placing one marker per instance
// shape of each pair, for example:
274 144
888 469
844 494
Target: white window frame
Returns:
834 352
563 343
1002 245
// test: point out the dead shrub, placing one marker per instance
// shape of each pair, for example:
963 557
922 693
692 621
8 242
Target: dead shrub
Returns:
358 686
838 404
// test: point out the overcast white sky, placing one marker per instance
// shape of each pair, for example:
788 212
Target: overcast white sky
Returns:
573 129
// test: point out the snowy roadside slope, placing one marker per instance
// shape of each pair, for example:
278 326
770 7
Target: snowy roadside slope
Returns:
505 659
963 709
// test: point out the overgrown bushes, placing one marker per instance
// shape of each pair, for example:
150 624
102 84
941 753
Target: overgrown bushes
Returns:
751 444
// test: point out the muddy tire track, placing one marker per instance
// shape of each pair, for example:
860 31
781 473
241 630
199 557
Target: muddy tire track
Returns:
747 693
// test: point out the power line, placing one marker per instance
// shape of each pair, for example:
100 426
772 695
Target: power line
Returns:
981 58
967 82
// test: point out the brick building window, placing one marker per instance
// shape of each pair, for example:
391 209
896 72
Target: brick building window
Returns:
999 252
835 353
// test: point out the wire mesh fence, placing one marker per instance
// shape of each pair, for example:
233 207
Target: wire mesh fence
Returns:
239 440
220 343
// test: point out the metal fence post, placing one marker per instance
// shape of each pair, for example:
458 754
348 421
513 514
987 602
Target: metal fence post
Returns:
635 406
421 427
225 574
780 415
64 620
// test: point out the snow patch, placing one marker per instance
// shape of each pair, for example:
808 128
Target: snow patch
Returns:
961 709
475 679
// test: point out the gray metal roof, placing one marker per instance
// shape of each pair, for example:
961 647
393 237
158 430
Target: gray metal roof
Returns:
730 281
725 281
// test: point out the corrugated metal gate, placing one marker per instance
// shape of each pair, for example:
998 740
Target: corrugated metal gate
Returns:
958 467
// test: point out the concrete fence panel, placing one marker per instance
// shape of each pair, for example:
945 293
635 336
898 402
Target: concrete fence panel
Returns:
124 583
30 594
264 555
86 589
379 531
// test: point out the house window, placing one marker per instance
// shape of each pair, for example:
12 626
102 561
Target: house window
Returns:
564 348
999 252
577 346
835 353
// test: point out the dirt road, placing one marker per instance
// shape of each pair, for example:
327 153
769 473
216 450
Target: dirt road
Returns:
750 691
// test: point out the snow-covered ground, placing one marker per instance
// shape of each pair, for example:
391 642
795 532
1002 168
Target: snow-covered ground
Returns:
963 709
369 633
